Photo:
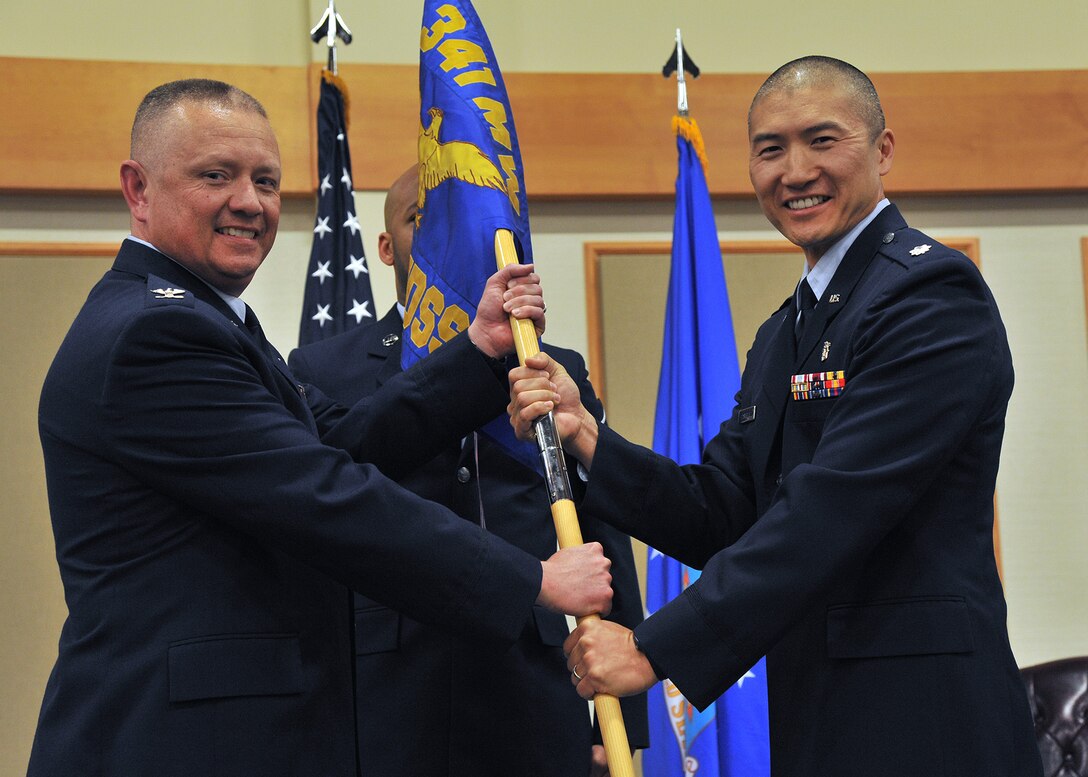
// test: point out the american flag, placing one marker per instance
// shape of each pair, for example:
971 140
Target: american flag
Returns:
338 295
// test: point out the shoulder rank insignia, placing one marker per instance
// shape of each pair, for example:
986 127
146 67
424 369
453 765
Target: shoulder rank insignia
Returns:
919 250
169 293
817 385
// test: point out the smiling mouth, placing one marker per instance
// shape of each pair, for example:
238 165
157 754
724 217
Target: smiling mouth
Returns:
235 232
806 202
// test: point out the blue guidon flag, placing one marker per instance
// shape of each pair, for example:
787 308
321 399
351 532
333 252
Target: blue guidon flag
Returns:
699 377
470 184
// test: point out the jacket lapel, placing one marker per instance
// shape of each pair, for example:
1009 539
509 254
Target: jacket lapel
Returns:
773 390
846 277
784 357
137 259
385 345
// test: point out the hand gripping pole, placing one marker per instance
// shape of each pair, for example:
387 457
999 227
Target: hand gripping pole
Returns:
613 731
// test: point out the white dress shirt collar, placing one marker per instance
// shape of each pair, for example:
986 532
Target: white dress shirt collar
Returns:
820 275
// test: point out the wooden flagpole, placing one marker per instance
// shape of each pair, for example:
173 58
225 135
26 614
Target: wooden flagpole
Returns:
564 515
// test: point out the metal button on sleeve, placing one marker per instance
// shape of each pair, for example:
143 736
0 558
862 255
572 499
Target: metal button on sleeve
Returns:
463 475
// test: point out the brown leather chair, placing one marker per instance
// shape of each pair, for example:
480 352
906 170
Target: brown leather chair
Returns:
1058 692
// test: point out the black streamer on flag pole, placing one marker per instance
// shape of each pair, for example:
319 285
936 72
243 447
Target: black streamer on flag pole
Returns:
338 295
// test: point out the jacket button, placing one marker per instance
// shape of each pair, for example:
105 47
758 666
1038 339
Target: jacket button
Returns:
778 480
463 475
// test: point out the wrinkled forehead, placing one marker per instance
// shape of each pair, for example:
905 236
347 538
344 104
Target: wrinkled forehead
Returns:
189 124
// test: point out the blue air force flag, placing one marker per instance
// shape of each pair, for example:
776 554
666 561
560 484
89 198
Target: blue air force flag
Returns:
338 295
699 377
470 184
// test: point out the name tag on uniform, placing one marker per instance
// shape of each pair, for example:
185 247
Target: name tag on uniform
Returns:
818 385
747 414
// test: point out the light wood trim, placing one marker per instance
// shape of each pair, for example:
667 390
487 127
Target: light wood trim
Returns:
965 245
594 318
583 135
58 249
67 122
1084 271
594 336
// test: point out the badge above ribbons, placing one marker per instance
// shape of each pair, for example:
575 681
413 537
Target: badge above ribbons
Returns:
470 184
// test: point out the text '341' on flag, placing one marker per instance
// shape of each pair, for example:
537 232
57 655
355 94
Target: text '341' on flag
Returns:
470 184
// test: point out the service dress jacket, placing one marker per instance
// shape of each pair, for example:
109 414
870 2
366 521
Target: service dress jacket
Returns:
207 539
843 521
438 704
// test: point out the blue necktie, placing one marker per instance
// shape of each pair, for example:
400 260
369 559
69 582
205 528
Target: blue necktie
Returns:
806 301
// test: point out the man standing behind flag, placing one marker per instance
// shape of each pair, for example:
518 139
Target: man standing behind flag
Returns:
843 515
699 376
468 183
466 708
338 296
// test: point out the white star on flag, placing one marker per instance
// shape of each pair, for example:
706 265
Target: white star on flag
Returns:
748 674
346 178
359 310
322 272
325 185
322 315
323 227
357 265
353 223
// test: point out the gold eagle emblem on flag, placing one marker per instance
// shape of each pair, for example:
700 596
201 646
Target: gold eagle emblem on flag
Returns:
458 159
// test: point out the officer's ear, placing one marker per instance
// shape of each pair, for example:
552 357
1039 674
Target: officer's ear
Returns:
885 145
134 186
385 248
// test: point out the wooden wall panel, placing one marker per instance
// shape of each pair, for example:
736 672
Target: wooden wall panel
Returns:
66 122
583 135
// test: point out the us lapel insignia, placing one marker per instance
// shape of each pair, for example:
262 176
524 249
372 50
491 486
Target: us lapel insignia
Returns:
826 350
389 339
834 298
919 250
748 414
169 293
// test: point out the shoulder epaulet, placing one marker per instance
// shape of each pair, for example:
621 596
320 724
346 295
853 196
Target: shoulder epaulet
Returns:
161 292
907 245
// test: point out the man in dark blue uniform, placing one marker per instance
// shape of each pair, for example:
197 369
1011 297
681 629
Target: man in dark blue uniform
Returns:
210 512
843 516
464 709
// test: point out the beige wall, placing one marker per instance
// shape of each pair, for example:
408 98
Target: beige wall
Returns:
565 35
1029 245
